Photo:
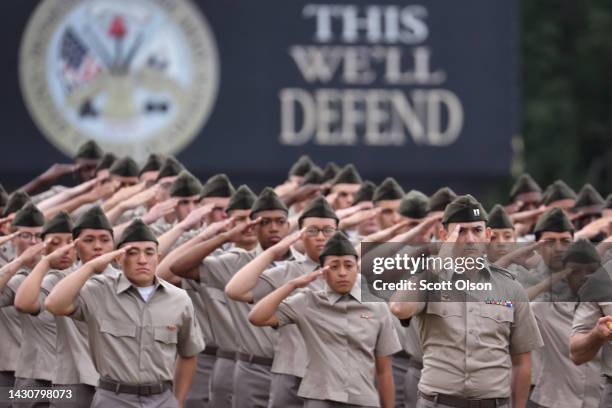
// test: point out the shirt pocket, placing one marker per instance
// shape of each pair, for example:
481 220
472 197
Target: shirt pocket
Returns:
445 309
494 324
118 340
166 340
499 314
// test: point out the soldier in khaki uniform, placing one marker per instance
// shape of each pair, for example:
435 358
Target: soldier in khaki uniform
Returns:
3 198
525 194
214 268
143 332
437 204
388 196
253 282
74 367
476 352
344 186
27 223
559 382
589 205
348 342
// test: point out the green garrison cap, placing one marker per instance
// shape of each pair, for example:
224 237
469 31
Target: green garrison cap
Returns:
218 185
553 220
318 208
301 166
589 198
314 176
107 161
185 185
338 244
348 175
153 163
499 219
440 199
170 168
389 189
242 199
558 191
3 196
581 251
267 200
60 224
125 167
414 205
365 192
29 216
90 151
15 202
94 218
330 171
524 184
137 231
464 208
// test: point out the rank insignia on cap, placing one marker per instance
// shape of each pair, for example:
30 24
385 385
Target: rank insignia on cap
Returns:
505 303
476 211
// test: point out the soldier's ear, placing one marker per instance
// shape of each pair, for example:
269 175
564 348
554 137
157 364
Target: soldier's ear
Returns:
488 233
442 232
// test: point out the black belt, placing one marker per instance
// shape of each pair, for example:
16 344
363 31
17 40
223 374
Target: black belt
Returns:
250 358
402 354
228 355
210 350
137 389
459 402
608 379
415 364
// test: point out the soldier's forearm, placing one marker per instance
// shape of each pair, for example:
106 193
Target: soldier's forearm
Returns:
61 299
26 298
188 259
585 346
8 271
384 381
521 379
240 286
183 376
264 312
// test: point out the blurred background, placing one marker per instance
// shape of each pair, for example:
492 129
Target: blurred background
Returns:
467 94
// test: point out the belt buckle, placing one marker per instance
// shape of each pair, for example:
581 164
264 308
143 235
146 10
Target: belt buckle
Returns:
145 390
474 403
251 358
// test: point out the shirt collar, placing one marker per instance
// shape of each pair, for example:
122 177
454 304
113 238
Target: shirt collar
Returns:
355 292
123 284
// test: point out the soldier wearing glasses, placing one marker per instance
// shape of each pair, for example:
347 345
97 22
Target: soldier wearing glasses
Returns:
253 282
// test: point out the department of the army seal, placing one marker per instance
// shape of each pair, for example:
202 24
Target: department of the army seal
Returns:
136 76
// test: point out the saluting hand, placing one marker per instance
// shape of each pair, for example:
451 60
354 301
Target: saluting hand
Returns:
31 253
160 210
100 263
60 252
282 246
305 280
604 328
194 219
238 229
6 238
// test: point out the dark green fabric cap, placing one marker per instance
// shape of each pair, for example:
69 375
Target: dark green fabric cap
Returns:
365 193
553 220
608 204
318 208
581 251
464 208
301 166
314 176
3 196
29 216
107 161
15 202
338 245
170 168
267 200
589 197
218 185
60 224
137 231
557 191
125 167
185 185
90 151
153 163
242 199
414 205
94 218
524 184
348 175
330 171
440 199
499 219
389 189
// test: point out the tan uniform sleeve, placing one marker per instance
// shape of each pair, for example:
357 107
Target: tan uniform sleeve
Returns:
586 316
214 270
7 296
524 333
85 301
190 340
292 308
387 342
